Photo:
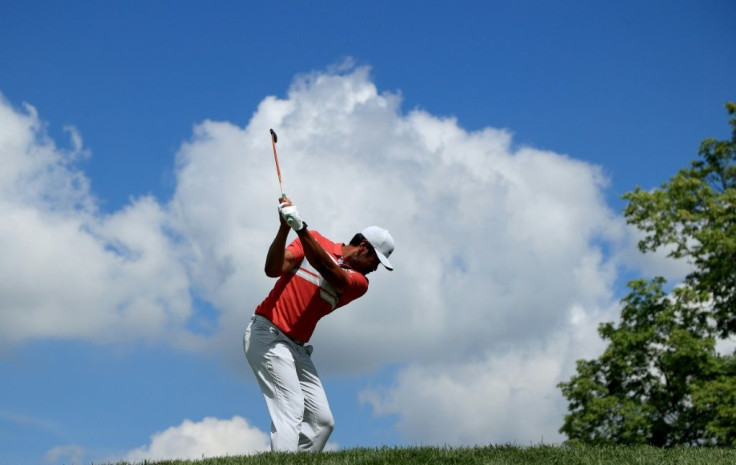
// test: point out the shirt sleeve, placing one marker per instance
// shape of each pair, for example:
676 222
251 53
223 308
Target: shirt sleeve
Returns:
297 251
358 285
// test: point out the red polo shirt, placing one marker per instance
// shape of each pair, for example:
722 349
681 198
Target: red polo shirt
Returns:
301 296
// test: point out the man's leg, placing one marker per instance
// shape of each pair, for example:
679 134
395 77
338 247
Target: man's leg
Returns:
273 364
318 421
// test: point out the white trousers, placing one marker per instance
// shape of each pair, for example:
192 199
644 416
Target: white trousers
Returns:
301 419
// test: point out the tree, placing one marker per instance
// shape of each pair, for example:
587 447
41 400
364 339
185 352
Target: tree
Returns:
660 381
696 213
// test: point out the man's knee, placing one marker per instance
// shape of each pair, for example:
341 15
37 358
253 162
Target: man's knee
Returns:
326 422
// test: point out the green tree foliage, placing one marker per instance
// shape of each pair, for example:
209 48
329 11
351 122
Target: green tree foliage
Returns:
696 213
660 381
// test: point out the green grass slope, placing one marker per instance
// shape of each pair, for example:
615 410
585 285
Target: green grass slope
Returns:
491 455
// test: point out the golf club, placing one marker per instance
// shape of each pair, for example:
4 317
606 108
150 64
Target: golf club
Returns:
274 138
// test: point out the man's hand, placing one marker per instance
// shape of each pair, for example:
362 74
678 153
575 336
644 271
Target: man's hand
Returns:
290 214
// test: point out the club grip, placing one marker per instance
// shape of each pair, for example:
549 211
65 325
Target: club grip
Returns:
273 134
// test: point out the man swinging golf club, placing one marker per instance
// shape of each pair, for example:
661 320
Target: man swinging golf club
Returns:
315 276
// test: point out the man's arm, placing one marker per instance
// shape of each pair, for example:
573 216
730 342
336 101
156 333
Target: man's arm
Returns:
323 262
279 260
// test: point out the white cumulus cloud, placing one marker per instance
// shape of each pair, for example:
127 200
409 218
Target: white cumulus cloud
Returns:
506 256
211 437
70 270
495 396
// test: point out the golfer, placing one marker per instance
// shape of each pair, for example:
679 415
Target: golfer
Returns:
315 276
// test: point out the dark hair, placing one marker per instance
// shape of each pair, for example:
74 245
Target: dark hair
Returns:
357 239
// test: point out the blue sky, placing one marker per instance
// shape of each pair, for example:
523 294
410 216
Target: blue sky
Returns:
493 138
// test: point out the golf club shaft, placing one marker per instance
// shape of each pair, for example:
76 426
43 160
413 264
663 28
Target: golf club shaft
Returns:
274 138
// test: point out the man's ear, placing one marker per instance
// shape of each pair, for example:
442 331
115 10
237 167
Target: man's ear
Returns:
367 246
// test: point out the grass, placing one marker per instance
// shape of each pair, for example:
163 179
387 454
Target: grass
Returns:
490 455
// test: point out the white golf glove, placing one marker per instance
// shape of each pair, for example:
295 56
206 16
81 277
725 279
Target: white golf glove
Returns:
291 216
